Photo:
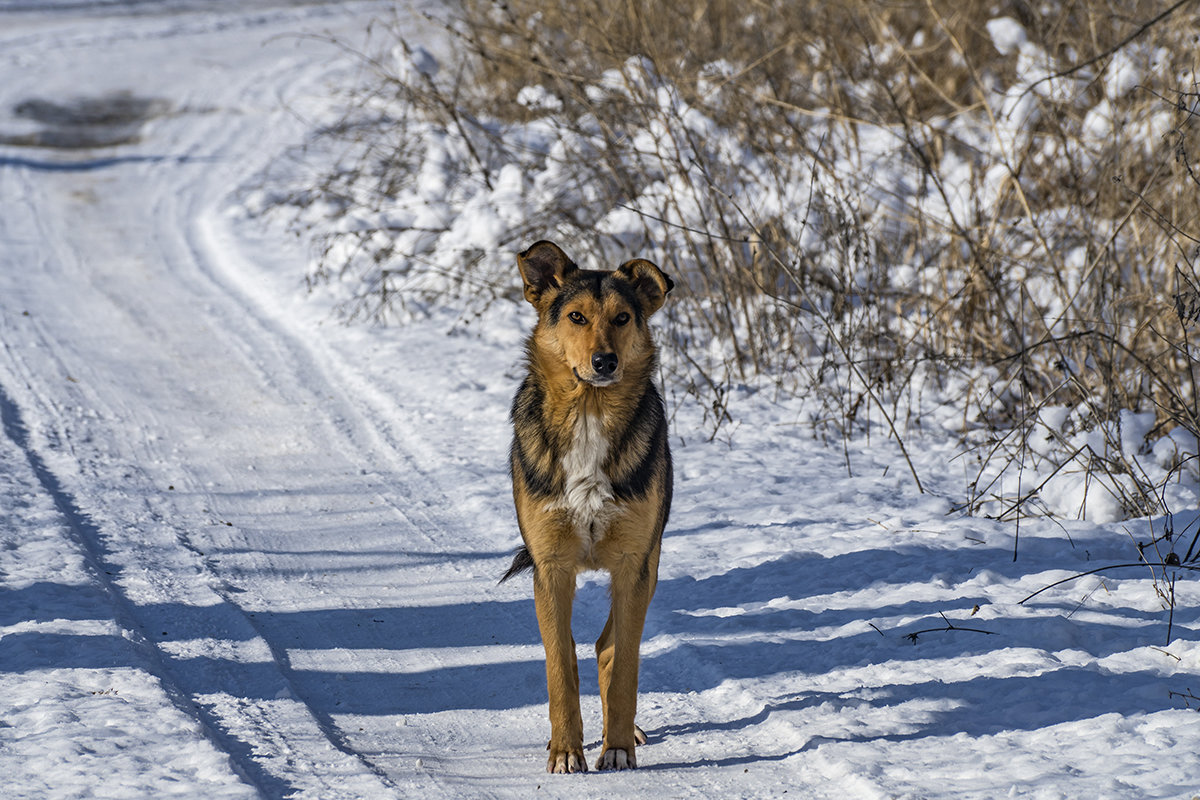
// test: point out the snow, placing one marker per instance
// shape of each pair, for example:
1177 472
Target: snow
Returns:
246 551
1007 34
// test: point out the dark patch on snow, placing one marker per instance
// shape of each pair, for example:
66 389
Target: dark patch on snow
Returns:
85 122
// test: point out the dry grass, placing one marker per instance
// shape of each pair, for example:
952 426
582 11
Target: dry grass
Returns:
870 202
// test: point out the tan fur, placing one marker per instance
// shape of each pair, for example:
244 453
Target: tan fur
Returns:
591 480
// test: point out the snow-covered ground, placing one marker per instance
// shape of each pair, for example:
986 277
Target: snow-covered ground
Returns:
248 551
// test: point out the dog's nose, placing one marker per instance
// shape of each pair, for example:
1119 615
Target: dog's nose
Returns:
605 364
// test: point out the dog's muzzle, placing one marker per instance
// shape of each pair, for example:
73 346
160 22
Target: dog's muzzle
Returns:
605 365
604 370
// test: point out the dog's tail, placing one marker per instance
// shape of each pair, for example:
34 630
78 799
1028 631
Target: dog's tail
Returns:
522 561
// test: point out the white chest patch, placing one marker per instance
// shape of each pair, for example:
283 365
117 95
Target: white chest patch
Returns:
588 493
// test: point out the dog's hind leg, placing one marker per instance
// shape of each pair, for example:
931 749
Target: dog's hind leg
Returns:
604 659
554 594
617 654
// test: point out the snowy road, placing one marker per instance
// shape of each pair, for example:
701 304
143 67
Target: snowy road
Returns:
246 551
201 462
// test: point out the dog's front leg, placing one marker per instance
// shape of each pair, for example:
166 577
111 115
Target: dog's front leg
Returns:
554 595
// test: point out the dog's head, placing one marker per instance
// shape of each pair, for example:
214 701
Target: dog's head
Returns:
595 320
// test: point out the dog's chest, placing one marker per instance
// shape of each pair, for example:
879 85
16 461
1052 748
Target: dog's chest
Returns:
587 490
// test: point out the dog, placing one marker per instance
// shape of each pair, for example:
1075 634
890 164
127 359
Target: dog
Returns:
591 479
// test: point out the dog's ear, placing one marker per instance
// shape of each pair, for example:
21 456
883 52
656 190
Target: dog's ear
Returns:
651 283
543 266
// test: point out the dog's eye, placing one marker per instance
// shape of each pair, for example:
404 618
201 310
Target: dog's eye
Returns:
621 319
577 318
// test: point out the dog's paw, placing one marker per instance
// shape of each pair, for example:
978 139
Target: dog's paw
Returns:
639 735
616 759
564 761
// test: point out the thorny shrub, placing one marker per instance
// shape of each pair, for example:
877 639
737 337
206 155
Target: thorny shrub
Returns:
981 208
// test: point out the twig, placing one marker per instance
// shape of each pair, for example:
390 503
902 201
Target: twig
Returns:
1077 576
1186 697
1084 64
912 637
685 228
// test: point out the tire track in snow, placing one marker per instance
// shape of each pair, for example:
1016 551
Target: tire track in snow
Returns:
88 538
151 596
163 593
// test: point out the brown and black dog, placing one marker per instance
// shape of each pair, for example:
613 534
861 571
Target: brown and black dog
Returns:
591 475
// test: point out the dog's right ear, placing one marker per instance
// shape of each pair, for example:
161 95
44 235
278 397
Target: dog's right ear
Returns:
543 266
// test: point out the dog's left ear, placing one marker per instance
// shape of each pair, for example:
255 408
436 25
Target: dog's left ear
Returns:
651 283
543 266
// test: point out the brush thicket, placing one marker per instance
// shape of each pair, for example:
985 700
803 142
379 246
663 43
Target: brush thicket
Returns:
880 205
